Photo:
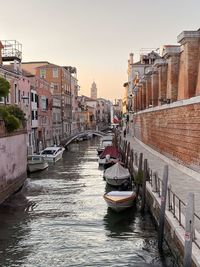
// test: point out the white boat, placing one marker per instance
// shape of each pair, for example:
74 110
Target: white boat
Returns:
120 200
106 141
116 175
36 163
52 153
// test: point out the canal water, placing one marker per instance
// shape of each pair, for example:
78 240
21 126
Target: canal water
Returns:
61 219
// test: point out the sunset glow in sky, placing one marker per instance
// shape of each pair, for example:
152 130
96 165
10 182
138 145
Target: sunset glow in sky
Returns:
96 36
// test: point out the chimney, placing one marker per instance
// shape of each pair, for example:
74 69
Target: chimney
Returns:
1 47
131 58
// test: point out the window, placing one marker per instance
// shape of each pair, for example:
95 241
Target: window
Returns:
54 117
43 103
37 100
32 115
19 96
47 103
55 72
55 87
31 97
29 138
8 99
42 73
15 89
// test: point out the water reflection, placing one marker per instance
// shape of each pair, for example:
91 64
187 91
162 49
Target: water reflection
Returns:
119 224
14 225
61 219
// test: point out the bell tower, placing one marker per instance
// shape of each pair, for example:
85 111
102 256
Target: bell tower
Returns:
94 91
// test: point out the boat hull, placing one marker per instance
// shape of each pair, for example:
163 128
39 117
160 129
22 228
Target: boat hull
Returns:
119 203
34 167
116 181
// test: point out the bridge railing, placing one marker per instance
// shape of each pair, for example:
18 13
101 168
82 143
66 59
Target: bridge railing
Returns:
68 139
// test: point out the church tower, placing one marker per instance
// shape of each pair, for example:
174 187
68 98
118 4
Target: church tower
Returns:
94 91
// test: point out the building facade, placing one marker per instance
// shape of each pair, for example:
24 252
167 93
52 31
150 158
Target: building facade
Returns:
167 102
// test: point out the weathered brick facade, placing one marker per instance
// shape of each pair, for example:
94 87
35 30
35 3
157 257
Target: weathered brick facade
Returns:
162 70
174 132
168 120
189 63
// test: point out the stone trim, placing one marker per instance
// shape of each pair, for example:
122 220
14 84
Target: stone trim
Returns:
179 103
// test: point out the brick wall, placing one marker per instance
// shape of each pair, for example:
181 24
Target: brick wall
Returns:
174 132
198 78
162 70
189 64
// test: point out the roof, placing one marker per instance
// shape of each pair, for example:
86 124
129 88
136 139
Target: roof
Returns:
27 74
35 62
138 63
11 69
49 65
89 98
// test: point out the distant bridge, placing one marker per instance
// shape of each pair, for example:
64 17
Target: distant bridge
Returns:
71 138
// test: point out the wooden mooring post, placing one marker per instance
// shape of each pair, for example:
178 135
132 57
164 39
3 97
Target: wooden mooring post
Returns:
131 163
125 150
127 155
162 208
139 172
144 178
189 230
140 162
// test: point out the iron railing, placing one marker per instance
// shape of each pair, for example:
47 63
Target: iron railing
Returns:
174 204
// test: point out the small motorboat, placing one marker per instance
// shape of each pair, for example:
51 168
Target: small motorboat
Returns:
52 153
109 153
36 163
120 200
117 175
106 141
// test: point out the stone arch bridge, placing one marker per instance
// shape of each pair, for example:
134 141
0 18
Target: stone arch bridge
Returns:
65 142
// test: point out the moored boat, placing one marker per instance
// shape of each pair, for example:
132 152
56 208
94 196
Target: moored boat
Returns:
120 200
52 154
109 153
106 141
116 175
36 163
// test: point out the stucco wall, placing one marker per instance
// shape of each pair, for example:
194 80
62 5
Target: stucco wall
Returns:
13 164
174 132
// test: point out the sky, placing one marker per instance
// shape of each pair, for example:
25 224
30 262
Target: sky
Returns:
95 36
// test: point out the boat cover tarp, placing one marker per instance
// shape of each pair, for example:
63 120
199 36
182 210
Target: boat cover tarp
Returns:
107 138
117 171
110 150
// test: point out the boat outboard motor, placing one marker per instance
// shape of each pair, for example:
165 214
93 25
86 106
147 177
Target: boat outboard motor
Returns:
107 157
